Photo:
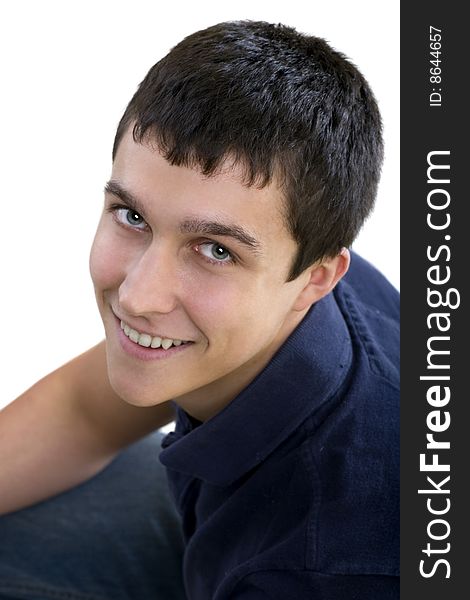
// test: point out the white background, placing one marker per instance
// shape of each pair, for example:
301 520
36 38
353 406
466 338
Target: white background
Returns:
68 70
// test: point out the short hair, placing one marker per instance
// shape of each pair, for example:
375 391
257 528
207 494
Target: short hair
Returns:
286 107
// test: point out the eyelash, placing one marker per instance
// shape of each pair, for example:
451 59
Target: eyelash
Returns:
115 208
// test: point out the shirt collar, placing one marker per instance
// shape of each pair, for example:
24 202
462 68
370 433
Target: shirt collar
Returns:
305 372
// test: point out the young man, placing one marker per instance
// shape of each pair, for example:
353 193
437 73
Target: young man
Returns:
243 168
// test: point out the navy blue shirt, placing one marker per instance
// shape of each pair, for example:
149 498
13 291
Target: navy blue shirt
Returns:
292 490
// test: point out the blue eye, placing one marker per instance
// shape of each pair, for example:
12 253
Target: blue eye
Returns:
219 252
129 217
133 218
215 252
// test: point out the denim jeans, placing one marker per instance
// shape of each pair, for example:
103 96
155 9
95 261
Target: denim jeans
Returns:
115 537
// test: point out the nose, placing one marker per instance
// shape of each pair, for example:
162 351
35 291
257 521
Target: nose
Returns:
150 285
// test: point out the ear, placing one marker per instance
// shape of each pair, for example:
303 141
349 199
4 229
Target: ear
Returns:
322 278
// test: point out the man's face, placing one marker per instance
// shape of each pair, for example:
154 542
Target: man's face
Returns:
183 257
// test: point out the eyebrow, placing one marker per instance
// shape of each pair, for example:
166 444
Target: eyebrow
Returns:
190 225
202 226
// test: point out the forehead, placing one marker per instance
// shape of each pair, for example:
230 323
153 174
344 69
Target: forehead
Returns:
180 193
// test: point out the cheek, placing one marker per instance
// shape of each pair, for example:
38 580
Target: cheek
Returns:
226 309
106 262
207 298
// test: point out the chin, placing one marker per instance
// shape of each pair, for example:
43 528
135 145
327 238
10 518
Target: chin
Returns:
136 396
138 402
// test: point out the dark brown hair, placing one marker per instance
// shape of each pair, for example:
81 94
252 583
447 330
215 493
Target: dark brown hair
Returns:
285 106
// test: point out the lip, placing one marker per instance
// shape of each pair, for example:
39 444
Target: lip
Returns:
143 353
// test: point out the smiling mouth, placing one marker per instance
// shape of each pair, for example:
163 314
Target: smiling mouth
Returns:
148 341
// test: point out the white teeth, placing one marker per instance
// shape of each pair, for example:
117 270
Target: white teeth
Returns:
156 342
134 335
146 340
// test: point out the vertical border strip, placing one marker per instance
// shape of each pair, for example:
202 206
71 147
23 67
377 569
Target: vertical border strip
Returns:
434 292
